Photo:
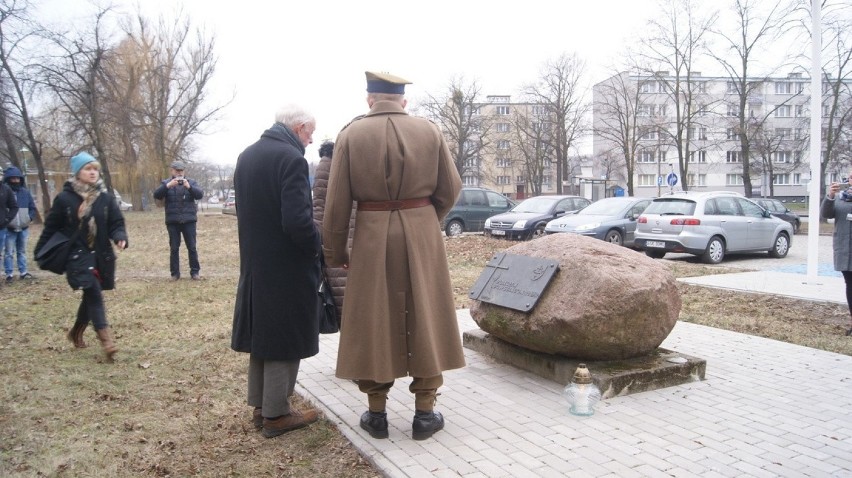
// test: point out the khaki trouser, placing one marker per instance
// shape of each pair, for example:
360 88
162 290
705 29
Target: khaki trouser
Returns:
424 390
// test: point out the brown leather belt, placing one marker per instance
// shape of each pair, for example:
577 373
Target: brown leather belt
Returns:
393 205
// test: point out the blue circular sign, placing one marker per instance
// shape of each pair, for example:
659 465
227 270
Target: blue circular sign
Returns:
671 179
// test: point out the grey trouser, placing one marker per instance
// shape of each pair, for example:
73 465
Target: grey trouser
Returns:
270 384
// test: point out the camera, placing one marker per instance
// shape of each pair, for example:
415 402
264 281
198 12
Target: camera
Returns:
180 181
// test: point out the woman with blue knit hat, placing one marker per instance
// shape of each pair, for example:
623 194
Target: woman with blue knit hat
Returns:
85 204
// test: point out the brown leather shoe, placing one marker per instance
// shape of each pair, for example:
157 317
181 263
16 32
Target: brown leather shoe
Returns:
257 418
285 423
75 335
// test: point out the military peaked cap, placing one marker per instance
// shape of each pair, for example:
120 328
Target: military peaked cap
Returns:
385 83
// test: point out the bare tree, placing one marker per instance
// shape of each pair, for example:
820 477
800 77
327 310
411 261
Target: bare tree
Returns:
677 43
18 39
532 147
837 90
617 122
559 91
457 111
755 30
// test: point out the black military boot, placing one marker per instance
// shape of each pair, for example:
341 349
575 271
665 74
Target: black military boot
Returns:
426 424
376 423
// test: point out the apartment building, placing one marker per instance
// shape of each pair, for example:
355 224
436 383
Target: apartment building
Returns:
511 153
778 122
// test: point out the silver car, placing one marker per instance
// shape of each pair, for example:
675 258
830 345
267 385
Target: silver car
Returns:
609 219
710 225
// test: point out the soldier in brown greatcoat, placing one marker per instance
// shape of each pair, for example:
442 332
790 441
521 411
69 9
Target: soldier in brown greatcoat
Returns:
399 317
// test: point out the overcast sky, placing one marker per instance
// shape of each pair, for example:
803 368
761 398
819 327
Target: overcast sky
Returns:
315 52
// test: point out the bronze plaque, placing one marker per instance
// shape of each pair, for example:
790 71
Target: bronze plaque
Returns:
514 281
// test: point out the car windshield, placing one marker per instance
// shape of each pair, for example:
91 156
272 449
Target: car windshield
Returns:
603 207
671 207
539 205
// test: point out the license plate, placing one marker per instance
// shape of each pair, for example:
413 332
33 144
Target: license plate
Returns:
498 232
655 244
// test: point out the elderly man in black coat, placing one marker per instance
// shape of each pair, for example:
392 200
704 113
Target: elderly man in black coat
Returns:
275 314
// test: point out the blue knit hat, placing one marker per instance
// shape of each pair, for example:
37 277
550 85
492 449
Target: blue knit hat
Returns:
82 159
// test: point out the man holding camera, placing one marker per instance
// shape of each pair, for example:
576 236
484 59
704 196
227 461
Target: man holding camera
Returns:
179 195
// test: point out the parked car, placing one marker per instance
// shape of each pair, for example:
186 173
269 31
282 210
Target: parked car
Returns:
529 218
710 225
474 206
213 200
230 205
779 210
609 219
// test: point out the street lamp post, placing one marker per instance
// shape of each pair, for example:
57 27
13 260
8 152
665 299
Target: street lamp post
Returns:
24 151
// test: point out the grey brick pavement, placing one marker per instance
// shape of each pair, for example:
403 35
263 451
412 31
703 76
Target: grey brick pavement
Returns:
766 408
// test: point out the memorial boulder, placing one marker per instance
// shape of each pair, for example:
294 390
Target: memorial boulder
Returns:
605 302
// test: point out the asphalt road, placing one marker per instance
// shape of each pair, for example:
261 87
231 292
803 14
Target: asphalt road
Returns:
795 262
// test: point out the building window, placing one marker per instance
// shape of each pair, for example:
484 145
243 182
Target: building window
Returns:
498 99
648 134
784 133
784 111
471 110
696 179
700 86
699 156
702 133
502 127
469 180
731 133
503 110
645 157
733 179
502 144
539 110
783 156
826 111
504 162
645 110
647 179
783 88
733 111
731 87
733 157
648 86
520 180
797 133
471 163
800 111
780 179
797 156
702 110
797 178
503 180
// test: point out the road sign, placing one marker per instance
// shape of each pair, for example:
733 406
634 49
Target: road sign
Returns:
671 179
660 180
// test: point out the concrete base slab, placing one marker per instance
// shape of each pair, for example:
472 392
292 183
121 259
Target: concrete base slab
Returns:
662 368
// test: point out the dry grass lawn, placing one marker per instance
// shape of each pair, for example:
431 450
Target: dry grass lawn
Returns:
173 403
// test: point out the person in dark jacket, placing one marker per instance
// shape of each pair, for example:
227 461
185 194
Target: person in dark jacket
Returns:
18 230
276 317
8 210
336 275
837 205
179 194
85 204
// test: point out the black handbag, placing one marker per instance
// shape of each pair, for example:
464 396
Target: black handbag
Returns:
328 318
53 255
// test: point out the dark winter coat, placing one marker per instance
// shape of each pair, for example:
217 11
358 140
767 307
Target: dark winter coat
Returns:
336 275
841 211
8 205
277 305
108 219
180 201
22 194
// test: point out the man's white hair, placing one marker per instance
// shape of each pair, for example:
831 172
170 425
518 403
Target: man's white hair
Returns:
293 115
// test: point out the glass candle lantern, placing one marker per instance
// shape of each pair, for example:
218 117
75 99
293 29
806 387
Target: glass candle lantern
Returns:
581 393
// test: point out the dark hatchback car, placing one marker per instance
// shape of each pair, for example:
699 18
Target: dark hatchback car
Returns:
474 206
779 210
529 218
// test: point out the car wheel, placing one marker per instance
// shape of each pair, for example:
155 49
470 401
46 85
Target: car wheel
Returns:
715 251
614 237
655 254
780 247
796 226
454 228
538 231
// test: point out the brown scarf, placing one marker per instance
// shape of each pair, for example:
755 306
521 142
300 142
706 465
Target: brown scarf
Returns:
89 193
